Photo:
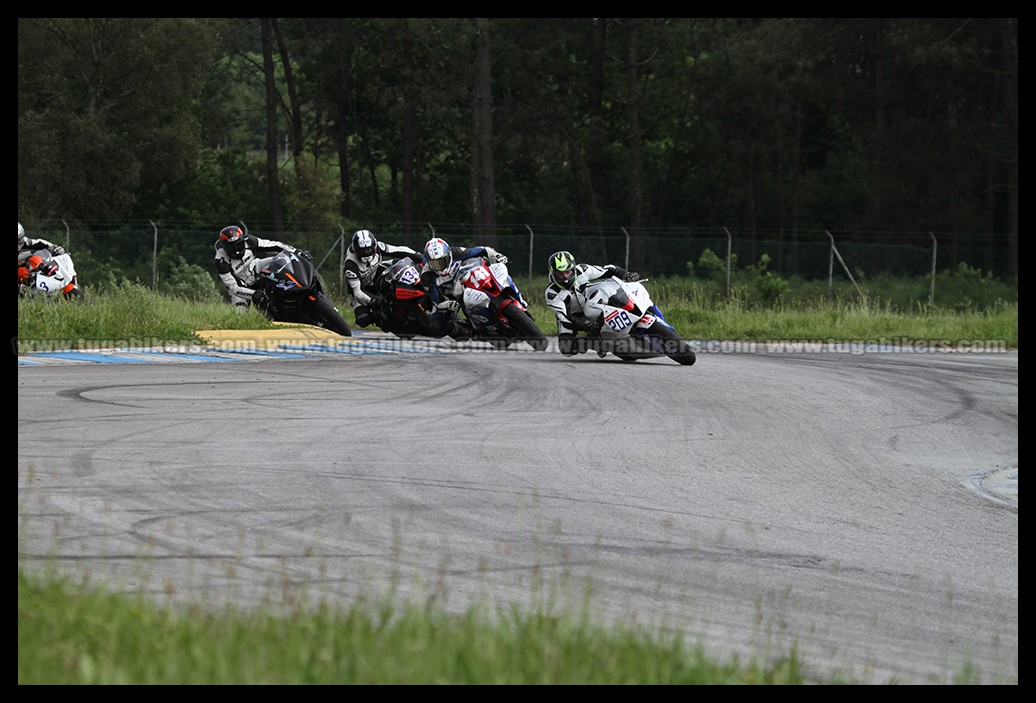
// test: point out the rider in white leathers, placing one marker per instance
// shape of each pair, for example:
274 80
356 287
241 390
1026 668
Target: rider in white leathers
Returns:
564 297
28 244
238 258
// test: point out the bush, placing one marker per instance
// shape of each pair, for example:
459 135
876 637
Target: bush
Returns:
968 288
190 282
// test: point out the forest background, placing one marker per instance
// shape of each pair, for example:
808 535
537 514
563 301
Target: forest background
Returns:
642 141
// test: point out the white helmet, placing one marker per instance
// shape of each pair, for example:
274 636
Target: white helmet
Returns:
21 235
437 255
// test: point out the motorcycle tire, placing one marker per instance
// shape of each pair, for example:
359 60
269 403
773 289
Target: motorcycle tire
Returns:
525 327
671 344
325 311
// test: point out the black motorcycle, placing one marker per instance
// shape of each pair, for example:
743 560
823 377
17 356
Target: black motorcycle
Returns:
288 289
400 304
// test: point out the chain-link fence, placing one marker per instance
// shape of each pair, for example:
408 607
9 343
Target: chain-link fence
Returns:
145 252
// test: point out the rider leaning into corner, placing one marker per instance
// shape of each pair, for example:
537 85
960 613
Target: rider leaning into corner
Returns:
27 246
567 279
441 264
238 258
364 256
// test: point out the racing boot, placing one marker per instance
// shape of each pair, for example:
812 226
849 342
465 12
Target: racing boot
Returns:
460 330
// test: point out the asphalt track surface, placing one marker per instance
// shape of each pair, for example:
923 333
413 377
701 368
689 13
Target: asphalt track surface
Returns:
861 508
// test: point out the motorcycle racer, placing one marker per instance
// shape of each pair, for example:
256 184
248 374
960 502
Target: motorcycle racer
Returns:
441 264
365 254
567 279
238 256
28 244
29 247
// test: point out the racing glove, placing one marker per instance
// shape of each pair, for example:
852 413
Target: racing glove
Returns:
450 305
307 255
593 328
631 277
495 257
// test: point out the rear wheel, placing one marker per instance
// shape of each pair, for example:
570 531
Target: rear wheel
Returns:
525 327
325 311
672 345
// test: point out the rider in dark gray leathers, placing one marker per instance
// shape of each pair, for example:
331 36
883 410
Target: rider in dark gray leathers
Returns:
567 281
365 254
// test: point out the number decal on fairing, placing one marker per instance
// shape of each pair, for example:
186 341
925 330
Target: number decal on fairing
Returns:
618 320
409 276
479 276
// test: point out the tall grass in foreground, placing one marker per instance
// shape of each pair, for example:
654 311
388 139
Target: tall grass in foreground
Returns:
74 635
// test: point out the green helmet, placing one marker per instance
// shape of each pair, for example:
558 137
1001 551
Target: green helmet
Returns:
562 266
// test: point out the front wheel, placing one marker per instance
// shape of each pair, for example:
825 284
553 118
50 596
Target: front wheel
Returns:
328 314
525 327
671 344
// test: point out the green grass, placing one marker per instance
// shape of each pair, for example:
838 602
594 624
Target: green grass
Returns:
74 634
136 316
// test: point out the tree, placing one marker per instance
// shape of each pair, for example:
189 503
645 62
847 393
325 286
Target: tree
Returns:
483 187
105 118
272 150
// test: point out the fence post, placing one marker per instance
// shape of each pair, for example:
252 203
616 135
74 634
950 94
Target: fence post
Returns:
68 237
154 260
935 245
626 264
834 251
729 242
831 269
341 260
532 236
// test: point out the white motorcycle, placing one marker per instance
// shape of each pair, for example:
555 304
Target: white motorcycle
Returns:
631 325
40 273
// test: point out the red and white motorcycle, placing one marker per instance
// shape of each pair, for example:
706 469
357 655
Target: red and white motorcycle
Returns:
494 306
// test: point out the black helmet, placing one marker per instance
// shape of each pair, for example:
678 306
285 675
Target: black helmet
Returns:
233 238
365 244
562 266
